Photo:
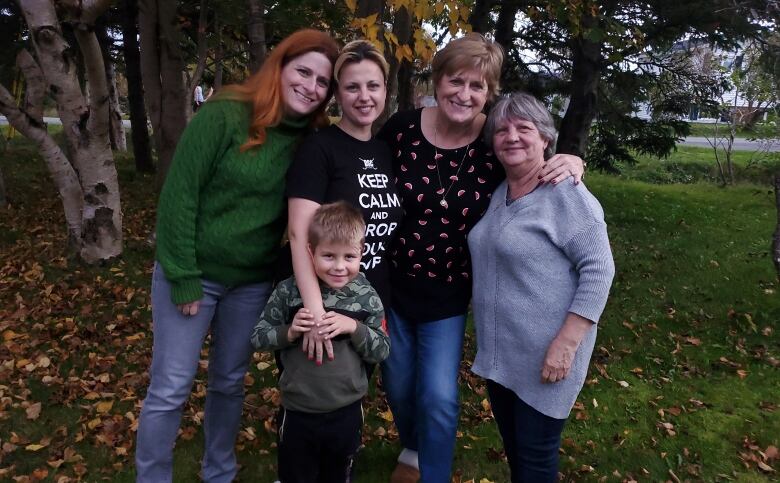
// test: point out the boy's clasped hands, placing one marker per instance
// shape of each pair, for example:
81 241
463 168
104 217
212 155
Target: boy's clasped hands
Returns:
331 325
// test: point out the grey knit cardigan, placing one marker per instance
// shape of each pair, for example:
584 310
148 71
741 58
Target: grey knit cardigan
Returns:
535 260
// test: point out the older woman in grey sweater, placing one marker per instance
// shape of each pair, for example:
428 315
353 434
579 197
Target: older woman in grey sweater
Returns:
542 272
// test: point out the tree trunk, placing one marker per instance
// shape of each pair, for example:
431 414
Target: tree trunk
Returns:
366 8
218 56
583 94
256 34
505 24
402 28
3 196
142 151
116 131
776 237
161 68
200 66
85 122
480 15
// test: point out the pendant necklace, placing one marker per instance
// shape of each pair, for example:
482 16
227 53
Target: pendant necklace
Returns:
443 201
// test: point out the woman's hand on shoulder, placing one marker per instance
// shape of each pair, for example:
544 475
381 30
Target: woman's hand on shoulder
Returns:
560 167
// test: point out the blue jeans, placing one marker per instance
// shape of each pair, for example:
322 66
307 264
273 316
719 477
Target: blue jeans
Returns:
230 314
420 378
531 439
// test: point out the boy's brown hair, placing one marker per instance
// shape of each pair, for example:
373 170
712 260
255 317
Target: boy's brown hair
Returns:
338 222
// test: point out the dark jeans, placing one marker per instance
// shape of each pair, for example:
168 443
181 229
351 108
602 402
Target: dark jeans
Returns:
319 447
531 439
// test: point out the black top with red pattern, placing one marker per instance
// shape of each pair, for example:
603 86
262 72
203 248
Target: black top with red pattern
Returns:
444 193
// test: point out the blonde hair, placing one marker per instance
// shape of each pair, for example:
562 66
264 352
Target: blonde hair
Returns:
338 222
357 51
471 51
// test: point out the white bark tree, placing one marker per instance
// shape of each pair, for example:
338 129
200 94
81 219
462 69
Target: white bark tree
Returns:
87 180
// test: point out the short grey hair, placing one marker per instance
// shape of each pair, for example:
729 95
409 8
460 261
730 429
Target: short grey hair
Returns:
525 107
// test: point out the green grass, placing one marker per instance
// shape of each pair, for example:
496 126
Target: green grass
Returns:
708 130
688 340
692 164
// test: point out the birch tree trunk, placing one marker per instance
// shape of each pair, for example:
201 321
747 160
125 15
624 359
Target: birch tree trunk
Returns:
29 122
161 68
116 132
85 124
256 34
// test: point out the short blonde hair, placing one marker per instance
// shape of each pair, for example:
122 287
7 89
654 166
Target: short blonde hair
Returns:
471 51
357 51
338 222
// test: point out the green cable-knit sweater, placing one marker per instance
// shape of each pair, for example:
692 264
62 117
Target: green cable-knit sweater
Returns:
222 212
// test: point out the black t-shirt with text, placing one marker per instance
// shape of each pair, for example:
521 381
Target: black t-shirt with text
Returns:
331 165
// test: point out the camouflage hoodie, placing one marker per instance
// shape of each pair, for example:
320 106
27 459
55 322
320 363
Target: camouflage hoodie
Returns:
310 388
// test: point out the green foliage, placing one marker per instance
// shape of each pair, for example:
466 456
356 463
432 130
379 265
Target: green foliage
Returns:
12 31
616 139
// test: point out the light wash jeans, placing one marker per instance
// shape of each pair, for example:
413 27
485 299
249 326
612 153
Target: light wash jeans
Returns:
420 378
230 314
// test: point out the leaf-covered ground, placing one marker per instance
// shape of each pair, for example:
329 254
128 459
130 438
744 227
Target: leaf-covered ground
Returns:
684 383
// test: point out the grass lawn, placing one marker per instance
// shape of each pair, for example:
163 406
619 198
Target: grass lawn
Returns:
692 164
684 382
708 130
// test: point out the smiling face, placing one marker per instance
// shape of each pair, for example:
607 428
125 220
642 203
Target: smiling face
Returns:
517 143
462 95
305 80
336 263
361 93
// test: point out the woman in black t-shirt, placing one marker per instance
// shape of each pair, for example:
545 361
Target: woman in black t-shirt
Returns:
344 162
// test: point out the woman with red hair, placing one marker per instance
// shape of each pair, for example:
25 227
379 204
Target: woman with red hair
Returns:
220 219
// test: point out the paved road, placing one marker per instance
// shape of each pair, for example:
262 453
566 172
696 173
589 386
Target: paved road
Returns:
739 144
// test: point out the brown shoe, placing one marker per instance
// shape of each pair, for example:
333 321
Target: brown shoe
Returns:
404 473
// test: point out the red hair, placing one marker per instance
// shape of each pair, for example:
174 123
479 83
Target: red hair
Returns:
263 88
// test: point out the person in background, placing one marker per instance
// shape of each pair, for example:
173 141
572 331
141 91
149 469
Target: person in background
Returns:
542 272
220 219
197 98
445 175
321 419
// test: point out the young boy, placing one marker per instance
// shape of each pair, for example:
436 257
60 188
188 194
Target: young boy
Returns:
321 417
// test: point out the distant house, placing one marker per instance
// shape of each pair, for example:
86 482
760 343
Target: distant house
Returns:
723 63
